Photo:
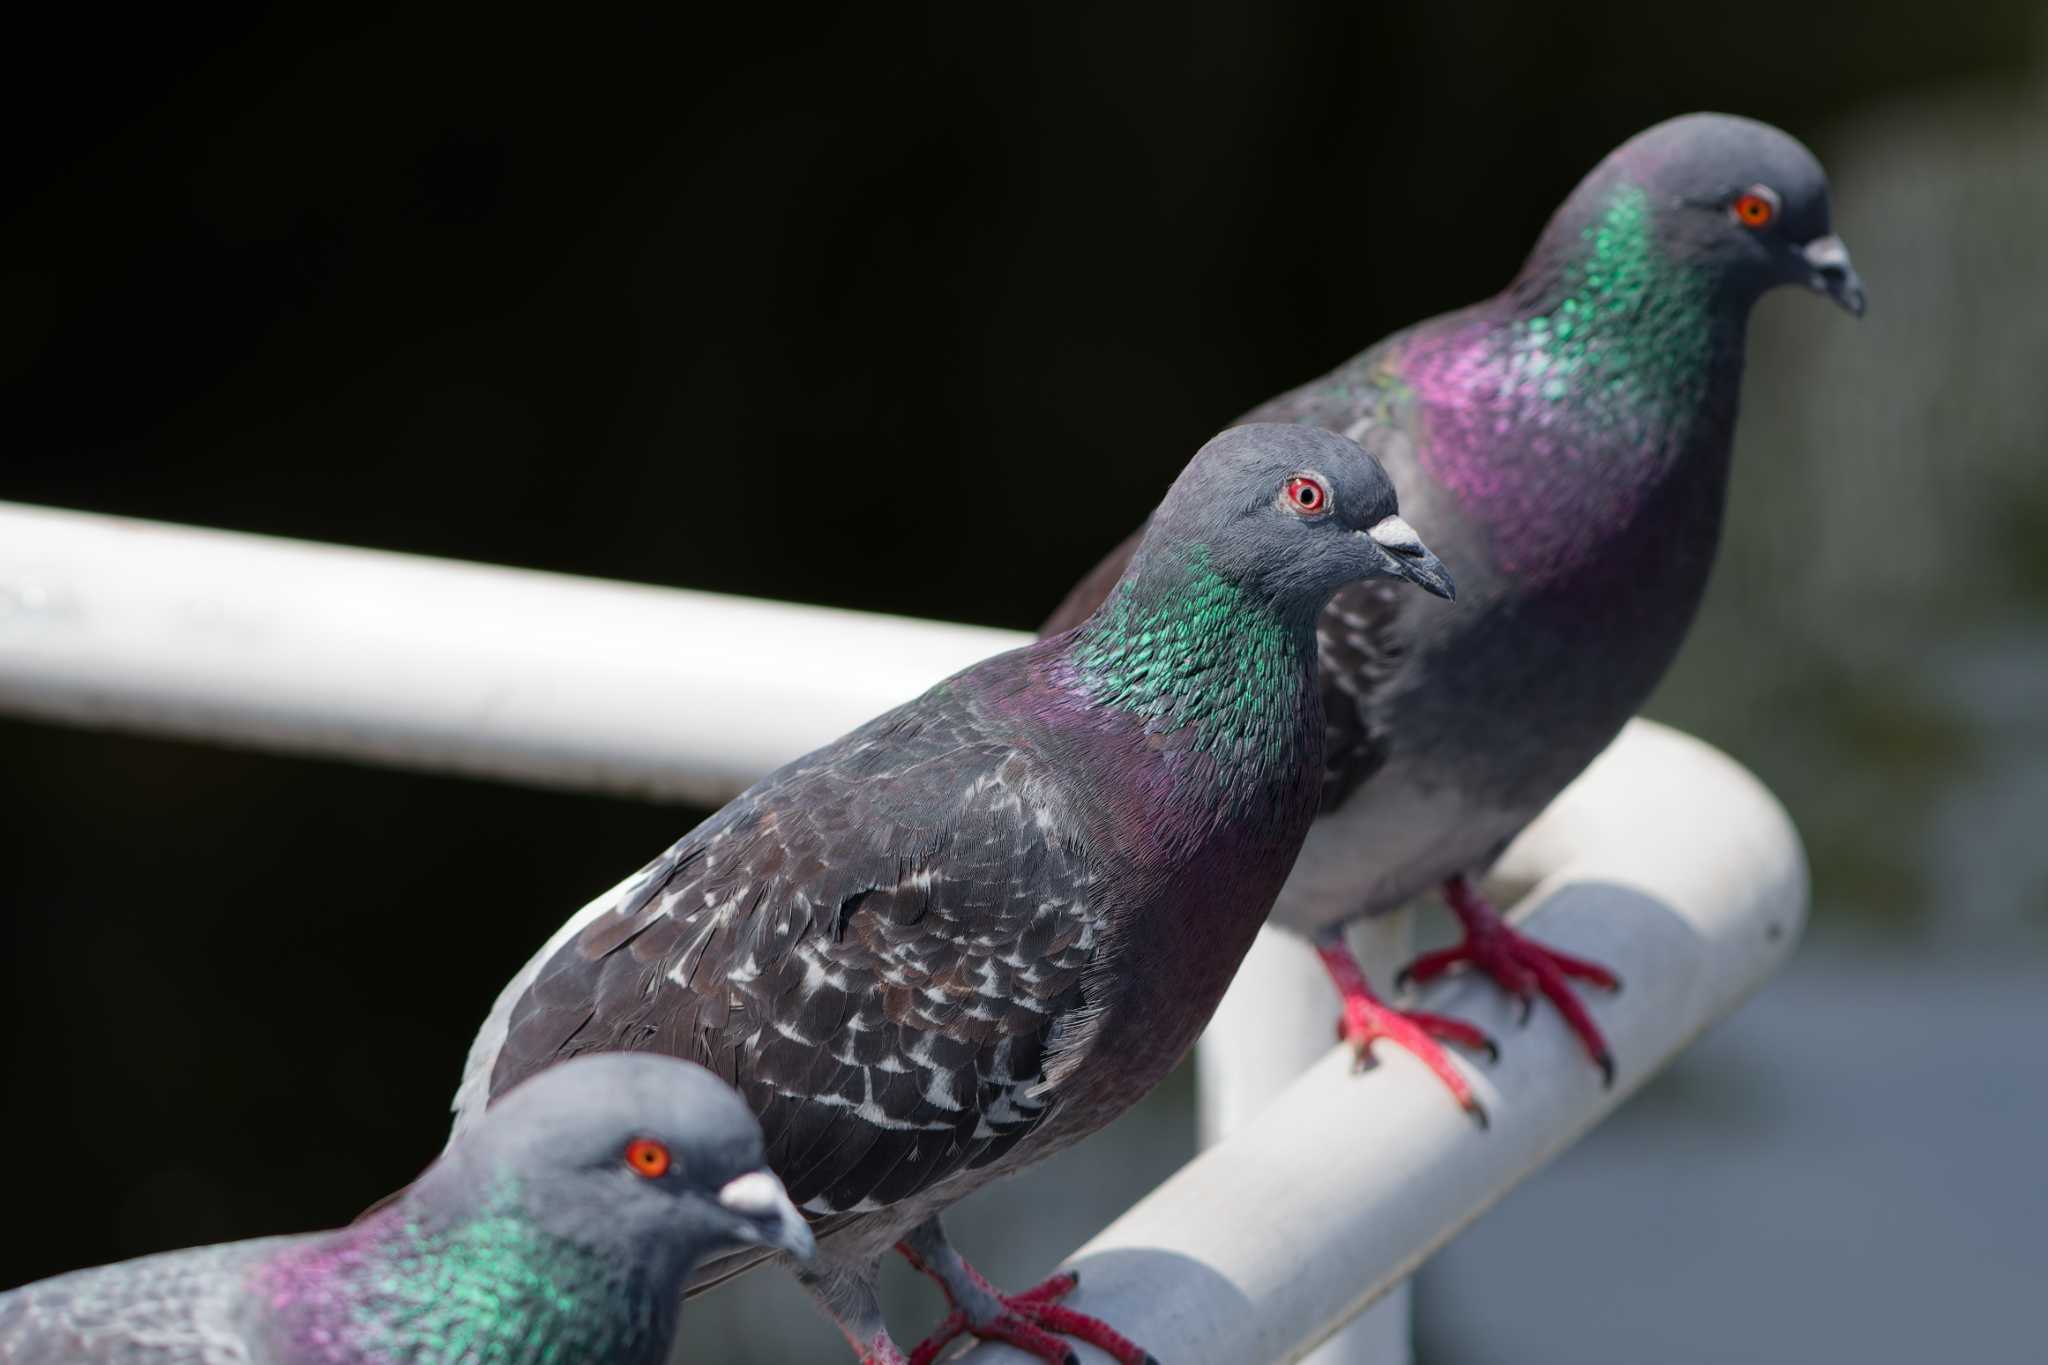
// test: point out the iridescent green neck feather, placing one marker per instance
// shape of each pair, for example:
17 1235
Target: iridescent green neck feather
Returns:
1190 651
1616 324
1554 412
492 1287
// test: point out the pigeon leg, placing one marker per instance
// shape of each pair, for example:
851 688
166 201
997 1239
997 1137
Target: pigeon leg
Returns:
850 1300
1368 1019
1521 966
879 1350
1033 1321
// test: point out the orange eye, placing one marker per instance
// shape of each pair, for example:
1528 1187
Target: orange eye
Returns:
1755 210
1306 496
647 1157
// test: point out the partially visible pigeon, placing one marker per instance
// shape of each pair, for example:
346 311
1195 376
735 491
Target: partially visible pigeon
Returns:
561 1227
980 926
1567 444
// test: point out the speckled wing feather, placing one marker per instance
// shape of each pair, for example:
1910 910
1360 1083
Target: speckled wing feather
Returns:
1358 639
1358 649
180 1308
877 946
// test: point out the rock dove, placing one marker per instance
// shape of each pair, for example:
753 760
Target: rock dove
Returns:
1566 442
560 1227
983 924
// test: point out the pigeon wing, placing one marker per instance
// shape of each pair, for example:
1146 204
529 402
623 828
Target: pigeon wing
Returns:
876 946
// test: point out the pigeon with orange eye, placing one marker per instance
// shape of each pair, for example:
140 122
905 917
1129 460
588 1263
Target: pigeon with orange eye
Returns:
1566 443
1756 207
563 1226
1778 234
648 1158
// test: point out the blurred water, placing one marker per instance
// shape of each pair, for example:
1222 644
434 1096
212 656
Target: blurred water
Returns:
1848 1170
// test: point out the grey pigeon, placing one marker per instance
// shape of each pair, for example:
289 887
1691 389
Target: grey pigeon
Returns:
561 1227
980 926
1566 441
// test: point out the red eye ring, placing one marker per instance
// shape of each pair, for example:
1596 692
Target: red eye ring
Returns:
1306 496
647 1158
1755 210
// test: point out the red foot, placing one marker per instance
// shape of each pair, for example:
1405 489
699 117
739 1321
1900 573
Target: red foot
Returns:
1521 966
1032 1321
880 1351
1367 1019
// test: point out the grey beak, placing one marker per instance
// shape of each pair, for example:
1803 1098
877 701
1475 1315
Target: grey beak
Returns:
1406 556
767 1216
1832 274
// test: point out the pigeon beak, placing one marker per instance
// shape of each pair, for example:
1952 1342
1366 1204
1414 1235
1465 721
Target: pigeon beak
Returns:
1828 260
1405 556
766 1215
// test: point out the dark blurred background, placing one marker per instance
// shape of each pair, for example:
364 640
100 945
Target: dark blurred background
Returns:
919 312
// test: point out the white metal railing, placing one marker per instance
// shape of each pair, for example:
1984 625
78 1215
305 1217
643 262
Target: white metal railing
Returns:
431 663
1319 1195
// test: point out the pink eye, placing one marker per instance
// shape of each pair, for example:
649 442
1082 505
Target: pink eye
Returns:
1306 495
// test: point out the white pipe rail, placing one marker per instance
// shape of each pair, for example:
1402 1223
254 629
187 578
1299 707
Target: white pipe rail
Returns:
1665 861
430 663
1275 1023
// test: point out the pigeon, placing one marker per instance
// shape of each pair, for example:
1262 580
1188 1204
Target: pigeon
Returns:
561 1227
1567 441
983 924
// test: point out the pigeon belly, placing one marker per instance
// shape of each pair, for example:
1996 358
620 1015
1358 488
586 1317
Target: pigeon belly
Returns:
1397 837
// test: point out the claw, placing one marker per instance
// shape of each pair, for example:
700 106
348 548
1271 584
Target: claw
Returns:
1032 1321
1054 1289
1523 968
1366 1019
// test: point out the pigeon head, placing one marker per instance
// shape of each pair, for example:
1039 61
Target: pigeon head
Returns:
642 1157
1740 201
1292 513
